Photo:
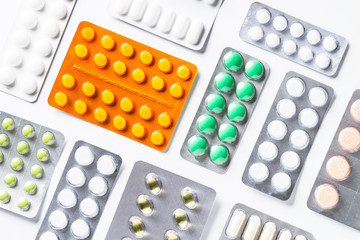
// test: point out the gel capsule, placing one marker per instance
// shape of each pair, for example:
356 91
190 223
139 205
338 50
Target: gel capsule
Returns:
181 219
153 183
137 226
189 198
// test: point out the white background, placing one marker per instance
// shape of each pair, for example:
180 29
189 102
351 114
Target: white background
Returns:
341 17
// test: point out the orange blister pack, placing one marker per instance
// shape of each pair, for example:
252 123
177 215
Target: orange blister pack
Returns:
122 85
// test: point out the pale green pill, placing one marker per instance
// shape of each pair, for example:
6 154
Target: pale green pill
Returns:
36 171
8 124
10 180
24 204
48 138
28 131
16 164
23 147
42 154
4 140
30 187
4 196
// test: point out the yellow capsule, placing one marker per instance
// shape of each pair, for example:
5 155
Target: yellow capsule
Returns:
189 198
181 219
153 183
171 235
145 205
137 226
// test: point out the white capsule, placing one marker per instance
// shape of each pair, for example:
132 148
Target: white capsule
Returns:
305 54
252 228
281 182
300 237
89 207
36 66
268 231
122 7
29 20
7 76
152 15
280 23
286 108
22 38
330 43
48 236
58 220
308 118
263 16
295 87
14 57
290 160
29 85
268 151
76 177
258 172
299 139
284 234
106 165
84 156
67 198
80 229
277 130
98 186
43 47
289 47
322 60
37 5
51 28
236 224
297 30
256 33
313 37
318 96
180 27
195 32
166 20
58 10
137 9
272 40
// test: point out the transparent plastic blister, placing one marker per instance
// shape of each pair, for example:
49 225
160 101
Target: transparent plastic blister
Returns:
287 135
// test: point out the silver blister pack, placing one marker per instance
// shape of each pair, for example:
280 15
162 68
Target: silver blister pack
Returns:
225 110
80 198
287 135
26 163
339 175
157 204
294 39
247 223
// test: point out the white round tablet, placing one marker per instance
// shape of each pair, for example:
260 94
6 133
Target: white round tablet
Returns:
290 160
22 38
14 57
297 30
84 156
29 85
43 47
51 28
305 54
89 207
58 220
37 5
58 10
76 177
36 66
48 236
289 47
7 76
29 20
67 198
295 87
313 37
272 40
330 43
98 186
106 165
308 118
286 108
80 229
280 23
258 172
268 151
318 96
263 16
281 182
277 130
322 60
256 33
299 139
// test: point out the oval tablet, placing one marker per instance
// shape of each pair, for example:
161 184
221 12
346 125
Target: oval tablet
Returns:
137 9
166 20
284 234
180 27
252 228
152 14
268 231
236 224
122 7
195 32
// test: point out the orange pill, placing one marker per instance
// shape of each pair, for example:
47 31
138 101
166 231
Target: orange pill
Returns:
138 130
138 75
157 138
108 42
158 83
100 115
177 91
349 139
165 120
326 196
100 60
355 111
127 105
61 99
108 97
165 65
119 68
68 81
146 58
338 168
80 107
88 34
119 122
88 89
146 112
127 50
81 51
184 73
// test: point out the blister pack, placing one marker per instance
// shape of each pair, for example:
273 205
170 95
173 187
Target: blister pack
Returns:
336 192
122 85
82 193
31 46
287 135
186 22
157 204
247 223
225 110
294 39
29 153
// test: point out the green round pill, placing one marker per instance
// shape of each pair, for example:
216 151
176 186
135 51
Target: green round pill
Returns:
254 70
30 187
24 204
4 140
48 138
245 91
219 155
224 82
4 196
227 133
197 145
42 154
215 103
10 180
206 124
23 147
233 61
236 112
16 163
36 171
1 157
8 124
28 131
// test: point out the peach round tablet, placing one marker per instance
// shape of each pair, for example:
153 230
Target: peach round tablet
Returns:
355 111
338 168
349 139
326 196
